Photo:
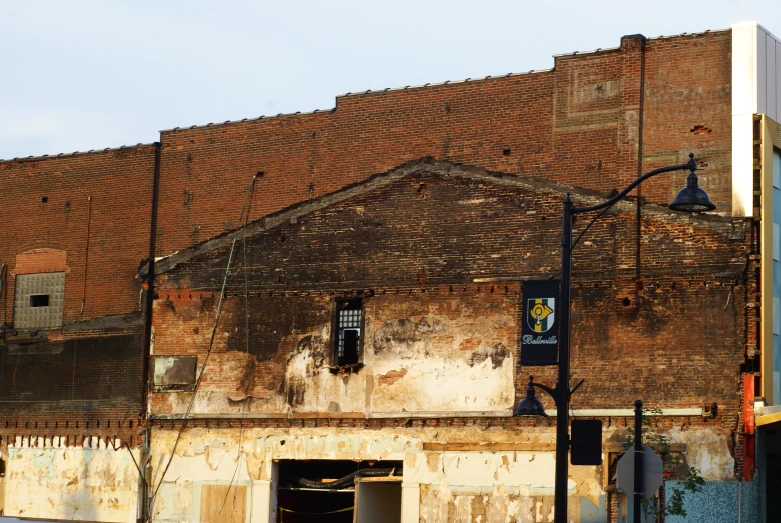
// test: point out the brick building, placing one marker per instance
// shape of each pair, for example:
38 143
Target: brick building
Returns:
342 289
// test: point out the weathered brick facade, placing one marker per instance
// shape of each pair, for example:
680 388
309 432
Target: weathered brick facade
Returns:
437 252
87 215
433 204
424 237
576 124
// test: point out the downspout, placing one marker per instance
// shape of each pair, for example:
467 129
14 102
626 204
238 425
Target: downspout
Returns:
148 303
86 254
3 272
640 117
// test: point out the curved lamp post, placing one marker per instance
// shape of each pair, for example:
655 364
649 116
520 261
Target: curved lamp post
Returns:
689 199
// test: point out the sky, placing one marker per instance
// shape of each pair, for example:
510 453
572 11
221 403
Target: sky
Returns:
77 75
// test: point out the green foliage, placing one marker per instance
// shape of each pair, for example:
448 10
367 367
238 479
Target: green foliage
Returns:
692 481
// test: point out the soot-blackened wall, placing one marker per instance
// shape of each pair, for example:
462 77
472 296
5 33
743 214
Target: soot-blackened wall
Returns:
439 260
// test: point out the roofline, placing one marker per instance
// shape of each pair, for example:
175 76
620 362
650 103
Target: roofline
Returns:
614 49
371 92
701 33
427 85
446 82
78 153
243 120
357 93
599 50
378 181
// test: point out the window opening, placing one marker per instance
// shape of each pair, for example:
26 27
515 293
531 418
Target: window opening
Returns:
39 300
349 322
333 491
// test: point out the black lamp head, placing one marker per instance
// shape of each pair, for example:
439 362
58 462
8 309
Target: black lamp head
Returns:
530 406
692 198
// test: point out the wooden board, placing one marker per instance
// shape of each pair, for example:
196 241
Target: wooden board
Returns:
223 504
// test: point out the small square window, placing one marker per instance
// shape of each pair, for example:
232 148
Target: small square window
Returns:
39 300
348 324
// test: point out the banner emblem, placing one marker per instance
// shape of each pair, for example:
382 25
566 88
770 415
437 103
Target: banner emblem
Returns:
539 328
541 317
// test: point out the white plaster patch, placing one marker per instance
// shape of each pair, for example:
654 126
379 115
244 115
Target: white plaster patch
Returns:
94 484
183 494
708 451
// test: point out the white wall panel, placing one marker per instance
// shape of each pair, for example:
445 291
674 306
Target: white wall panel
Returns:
778 82
770 74
756 89
761 66
742 165
744 91
768 61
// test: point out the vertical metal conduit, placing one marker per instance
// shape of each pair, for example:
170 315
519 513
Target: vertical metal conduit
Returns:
86 254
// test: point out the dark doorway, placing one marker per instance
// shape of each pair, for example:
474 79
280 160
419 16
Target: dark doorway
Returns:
305 493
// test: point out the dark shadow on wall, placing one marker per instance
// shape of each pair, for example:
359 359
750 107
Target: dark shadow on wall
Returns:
87 371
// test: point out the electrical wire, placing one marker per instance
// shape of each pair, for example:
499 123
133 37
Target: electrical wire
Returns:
245 406
209 350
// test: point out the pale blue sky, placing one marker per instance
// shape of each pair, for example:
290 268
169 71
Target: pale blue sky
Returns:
88 74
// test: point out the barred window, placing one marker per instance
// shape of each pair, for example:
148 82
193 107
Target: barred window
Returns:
349 323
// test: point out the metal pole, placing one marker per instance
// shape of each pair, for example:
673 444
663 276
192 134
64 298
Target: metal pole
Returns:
638 486
562 391
562 385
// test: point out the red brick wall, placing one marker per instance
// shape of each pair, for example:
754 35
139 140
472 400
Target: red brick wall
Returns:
120 184
577 124
673 338
38 261
688 108
88 375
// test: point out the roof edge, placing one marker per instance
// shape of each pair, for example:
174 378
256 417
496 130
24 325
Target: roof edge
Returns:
700 33
354 94
441 168
78 153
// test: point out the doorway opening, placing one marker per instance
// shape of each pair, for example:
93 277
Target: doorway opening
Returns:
324 491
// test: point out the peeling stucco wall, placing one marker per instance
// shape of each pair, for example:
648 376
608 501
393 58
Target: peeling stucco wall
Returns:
455 485
441 312
455 351
212 456
709 451
93 482
441 298
446 353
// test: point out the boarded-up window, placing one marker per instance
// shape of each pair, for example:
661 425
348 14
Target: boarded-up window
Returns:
38 300
173 373
223 504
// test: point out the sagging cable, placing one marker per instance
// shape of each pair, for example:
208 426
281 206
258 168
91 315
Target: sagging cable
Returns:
244 209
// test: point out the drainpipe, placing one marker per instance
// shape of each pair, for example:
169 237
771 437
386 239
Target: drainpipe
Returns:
147 344
3 271
86 254
640 115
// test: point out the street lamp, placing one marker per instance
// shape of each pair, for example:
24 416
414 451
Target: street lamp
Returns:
530 406
689 199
